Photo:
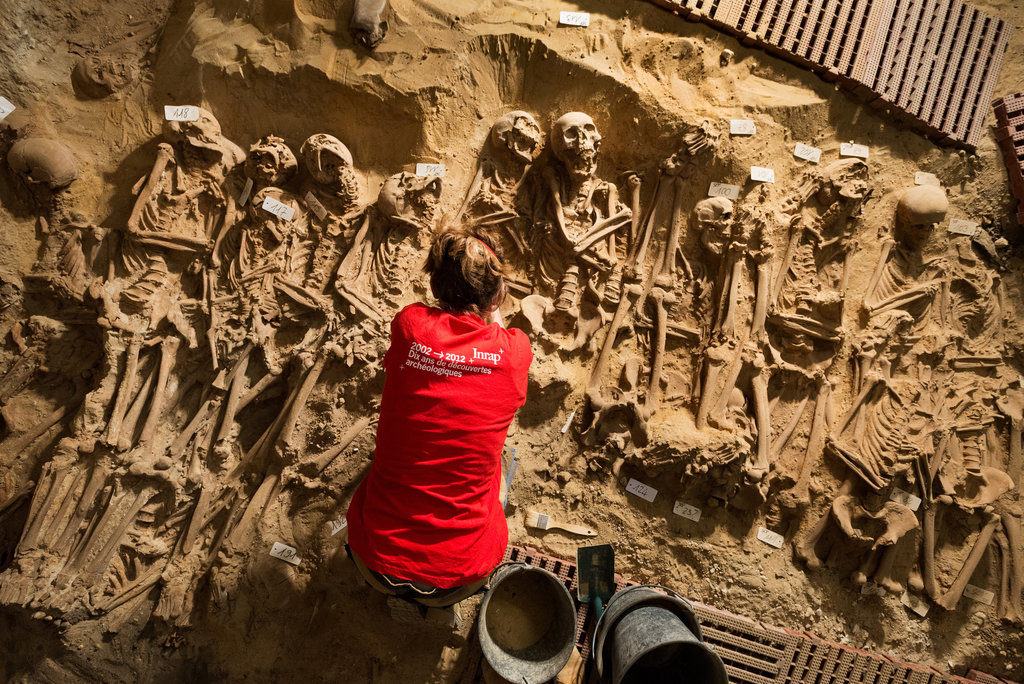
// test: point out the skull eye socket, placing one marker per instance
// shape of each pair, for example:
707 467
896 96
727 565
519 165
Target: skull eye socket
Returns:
726 214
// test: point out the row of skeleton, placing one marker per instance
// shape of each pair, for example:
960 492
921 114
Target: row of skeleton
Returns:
142 495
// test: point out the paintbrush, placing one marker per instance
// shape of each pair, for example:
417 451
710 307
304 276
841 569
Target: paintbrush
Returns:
542 522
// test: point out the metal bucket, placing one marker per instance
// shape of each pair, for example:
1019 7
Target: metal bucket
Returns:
527 624
650 637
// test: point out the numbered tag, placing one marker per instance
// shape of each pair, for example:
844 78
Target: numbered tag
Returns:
724 190
906 498
574 18
337 525
645 492
853 150
568 421
871 589
6 107
687 511
770 538
915 603
762 174
962 227
922 178
314 204
279 209
811 154
978 594
243 197
285 553
181 113
742 127
430 169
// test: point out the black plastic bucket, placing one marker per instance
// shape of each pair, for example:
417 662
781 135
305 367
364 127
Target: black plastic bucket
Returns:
527 624
650 637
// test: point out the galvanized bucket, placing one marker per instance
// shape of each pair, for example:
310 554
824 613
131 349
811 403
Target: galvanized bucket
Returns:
527 624
650 637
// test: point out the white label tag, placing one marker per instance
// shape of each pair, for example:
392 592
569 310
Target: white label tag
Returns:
430 169
906 498
762 174
742 127
770 538
313 203
915 603
6 107
243 197
962 227
337 525
811 154
853 150
871 589
687 511
181 113
923 178
285 553
645 492
568 421
978 594
724 190
574 18
279 209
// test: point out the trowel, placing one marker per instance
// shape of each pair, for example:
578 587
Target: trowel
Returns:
595 568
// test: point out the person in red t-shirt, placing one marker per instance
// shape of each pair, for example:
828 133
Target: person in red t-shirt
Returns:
426 523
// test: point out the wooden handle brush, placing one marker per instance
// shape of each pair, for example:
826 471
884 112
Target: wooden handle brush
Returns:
542 522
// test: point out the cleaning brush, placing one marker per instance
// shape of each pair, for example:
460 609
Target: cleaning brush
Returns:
542 522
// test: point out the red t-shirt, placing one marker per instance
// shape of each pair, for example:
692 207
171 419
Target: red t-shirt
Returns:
428 510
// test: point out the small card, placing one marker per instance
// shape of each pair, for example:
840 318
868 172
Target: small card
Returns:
762 174
687 511
337 525
915 603
568 421
742 127
811 154
6 107
724 190
770 538
923 178
279 209
574 18
243 197
906 498
430 169
978 594
962 227
181 113
285 553
314 204
645 492
871 589
853 150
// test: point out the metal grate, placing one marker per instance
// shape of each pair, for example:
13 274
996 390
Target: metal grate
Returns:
755 653
1010 134
932 63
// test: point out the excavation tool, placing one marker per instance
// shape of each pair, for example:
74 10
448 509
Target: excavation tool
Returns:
595 566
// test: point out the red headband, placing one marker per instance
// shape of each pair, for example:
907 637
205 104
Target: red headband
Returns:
488 248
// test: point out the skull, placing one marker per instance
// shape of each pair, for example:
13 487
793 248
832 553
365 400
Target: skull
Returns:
713 215
43 161
918 210
575 142
410 199
519 133
270 162
203 133
330 164
846 178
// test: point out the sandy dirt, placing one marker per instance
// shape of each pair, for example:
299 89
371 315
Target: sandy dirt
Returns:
429 94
